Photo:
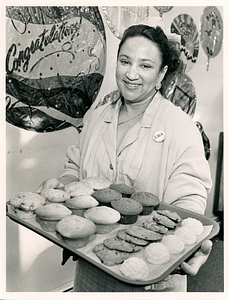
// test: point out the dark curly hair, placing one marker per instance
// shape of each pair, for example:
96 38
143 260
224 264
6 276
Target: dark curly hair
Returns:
170 55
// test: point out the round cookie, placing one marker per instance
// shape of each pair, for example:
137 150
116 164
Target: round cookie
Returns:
187 235
128 208
195 225
134 268
157 253
173 243
148 200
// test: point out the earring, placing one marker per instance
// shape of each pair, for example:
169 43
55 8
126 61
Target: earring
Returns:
158 86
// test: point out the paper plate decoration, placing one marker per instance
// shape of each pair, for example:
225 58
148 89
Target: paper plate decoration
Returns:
163 9
119 18
55 64
211 32
184 26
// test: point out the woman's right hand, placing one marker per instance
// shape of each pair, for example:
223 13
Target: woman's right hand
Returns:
52 183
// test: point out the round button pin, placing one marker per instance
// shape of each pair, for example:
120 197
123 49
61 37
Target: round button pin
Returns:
159 136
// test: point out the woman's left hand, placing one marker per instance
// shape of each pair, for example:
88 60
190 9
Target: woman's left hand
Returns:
192 266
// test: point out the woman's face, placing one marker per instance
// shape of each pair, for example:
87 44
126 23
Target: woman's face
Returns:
138 69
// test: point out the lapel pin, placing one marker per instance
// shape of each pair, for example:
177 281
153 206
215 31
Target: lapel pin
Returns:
159 136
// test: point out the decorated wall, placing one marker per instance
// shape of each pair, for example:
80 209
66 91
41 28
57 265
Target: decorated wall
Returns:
60 61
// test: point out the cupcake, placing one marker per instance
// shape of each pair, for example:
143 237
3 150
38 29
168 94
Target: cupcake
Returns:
128 208
105 196
148 200
105 218
79 204
55 195
75 230
48 215
124 189
78 188
97 183
24 204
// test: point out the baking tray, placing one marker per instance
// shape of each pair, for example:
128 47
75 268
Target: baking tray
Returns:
156 272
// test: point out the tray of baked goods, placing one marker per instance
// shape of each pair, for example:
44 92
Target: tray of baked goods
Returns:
130 235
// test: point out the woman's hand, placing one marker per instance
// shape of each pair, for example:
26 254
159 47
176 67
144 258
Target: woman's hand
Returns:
56 183
192 267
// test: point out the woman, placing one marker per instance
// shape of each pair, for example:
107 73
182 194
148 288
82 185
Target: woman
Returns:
141 139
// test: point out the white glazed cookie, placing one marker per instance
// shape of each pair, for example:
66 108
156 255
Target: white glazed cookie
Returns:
187 235
173 243
157 253
134 268
194 224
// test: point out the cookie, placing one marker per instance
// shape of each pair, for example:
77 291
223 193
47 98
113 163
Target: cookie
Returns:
109 257
170 214
163 220
129 238
143 233
154 226
173 243
115 243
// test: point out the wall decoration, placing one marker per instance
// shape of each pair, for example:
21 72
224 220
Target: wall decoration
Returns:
163 9
120 17
184 26
211 32
55 64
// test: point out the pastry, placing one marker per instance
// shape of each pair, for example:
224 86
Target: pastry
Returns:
142 233
154 226
164 220
124 189
170 214
173 243
122 234
156 253
148 200
105 196
134 268
97 182
187 235
78 189
194 224
79 204
115 243
55 195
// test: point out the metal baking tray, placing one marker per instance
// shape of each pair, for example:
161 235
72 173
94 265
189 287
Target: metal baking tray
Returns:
156 272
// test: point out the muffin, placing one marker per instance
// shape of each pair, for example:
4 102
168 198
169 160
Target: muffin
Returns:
24 204
128 208
97 183
124 189
104 217
48 215
105 196
55 195
79 204
148 200
157 253
134 268
78 188
75 230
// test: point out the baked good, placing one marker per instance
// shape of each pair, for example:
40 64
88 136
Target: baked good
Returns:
129 209
49 214
173 243
75 230
114 243
78 188
194 224
143 233
124 189
134 268
170 214
97 182
187 235
24 204
79 204
154 226
164 220
122 234
148 200
55 195
109 257
104 217
105 196
157 253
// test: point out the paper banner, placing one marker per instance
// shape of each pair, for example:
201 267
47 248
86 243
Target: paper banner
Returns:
55 64
184 26
211 32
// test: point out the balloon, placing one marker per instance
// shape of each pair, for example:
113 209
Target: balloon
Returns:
163 9
211 32
121 17
184 25
55 64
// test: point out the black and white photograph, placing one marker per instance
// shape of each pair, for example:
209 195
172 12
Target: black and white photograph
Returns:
114 140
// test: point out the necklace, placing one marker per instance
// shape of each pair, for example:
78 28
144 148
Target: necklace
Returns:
125 121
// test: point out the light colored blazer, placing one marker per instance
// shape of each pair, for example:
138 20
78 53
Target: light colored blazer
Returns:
162 154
